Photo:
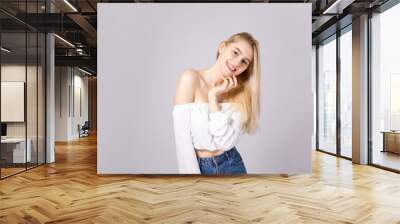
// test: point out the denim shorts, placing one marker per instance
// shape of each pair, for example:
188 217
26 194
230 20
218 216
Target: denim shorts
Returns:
229 162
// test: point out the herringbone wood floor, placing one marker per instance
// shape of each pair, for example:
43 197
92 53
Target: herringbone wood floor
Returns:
70 191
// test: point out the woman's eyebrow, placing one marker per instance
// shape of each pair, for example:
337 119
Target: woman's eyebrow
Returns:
238 49
248 60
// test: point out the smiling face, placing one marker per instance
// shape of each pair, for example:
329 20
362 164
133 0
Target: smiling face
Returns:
234 58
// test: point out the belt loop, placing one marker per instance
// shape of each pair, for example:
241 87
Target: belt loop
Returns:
216 165
226 154
233 149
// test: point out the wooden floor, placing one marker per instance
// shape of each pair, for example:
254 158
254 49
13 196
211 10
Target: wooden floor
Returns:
5 172
70 191
388 159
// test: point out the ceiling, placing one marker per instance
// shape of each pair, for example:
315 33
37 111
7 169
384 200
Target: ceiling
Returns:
76 22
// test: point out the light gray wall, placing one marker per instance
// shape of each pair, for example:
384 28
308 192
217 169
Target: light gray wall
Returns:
143 48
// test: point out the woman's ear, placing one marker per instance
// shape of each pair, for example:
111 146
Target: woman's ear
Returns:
221 48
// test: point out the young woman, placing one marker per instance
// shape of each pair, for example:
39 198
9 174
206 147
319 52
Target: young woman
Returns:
214 106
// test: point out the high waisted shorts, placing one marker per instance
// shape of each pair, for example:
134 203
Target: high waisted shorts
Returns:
229 162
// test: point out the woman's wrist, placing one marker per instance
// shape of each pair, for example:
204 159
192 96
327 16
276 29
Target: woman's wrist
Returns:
212 97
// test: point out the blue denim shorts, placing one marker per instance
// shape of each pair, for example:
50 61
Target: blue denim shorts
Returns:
229 162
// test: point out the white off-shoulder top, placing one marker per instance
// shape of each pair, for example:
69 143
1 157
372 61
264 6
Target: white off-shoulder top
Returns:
196 128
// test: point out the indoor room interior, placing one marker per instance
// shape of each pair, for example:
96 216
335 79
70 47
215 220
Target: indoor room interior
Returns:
48 150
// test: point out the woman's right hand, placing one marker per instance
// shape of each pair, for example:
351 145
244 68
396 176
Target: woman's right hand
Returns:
221 86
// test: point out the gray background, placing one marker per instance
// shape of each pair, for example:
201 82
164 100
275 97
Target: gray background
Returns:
143 48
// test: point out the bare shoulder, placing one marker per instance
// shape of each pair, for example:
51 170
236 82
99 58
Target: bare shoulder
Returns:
189 76
186 86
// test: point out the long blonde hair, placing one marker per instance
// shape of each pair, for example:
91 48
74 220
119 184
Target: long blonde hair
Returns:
247 94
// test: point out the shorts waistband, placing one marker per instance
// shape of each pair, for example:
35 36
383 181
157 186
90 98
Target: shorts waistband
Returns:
225 154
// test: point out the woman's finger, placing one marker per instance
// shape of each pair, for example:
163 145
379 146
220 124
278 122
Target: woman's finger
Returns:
219 82
235 81
228 83
231 82
225 83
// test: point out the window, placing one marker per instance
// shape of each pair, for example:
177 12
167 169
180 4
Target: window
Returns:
385 88
346 93
327 96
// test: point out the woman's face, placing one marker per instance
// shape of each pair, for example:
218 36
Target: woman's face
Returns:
234 58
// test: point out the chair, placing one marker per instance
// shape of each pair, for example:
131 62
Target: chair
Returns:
84 130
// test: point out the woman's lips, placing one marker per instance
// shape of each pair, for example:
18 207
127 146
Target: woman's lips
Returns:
230 67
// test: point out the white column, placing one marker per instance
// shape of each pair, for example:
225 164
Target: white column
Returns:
50 110
50 93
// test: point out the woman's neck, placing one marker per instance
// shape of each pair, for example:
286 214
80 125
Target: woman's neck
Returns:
211 74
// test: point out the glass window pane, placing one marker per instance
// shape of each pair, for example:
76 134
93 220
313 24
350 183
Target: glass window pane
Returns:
386 88
346 93
327 97
14 153
23 89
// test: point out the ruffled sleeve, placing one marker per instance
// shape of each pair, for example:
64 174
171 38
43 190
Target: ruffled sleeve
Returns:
186 155
225 127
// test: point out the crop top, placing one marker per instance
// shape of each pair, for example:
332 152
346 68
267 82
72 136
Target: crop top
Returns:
196 128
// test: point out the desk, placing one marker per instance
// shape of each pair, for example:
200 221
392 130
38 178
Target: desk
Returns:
391 141
15 148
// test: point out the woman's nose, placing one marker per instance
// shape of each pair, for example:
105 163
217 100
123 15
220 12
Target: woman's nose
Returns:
236 62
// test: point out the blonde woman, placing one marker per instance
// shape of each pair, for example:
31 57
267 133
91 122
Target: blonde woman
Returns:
214 106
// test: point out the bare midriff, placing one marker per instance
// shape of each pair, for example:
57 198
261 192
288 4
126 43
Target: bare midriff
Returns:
203 153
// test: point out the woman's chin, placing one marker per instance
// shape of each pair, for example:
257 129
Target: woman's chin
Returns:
227 74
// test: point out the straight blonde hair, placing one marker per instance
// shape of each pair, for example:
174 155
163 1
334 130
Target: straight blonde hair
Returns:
246 97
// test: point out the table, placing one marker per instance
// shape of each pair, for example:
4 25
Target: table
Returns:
15 148
391 141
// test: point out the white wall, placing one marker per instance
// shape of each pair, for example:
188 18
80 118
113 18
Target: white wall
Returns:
80 84
139 63
15 72
61 103
68 80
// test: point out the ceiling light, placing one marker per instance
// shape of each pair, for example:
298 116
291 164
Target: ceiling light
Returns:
64 40
5 49
337 7
70 5
84 71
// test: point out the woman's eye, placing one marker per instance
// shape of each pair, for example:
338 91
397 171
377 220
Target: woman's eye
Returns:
235 52
244 61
